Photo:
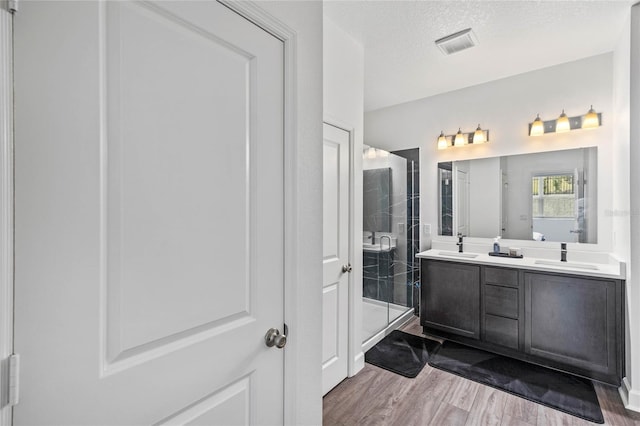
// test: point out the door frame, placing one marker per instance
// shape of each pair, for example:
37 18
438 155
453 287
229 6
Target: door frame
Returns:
293 312
355 354
6 203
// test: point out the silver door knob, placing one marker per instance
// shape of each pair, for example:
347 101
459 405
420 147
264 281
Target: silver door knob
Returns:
274 338
346 268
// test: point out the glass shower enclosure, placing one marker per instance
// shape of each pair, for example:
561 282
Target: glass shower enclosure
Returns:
388 239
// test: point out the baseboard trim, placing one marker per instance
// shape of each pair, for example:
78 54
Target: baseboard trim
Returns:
358 364
630 397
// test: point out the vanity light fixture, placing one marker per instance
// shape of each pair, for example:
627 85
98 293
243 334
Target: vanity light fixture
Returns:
590 120
562 123
443 143
460 139
477 137
537 127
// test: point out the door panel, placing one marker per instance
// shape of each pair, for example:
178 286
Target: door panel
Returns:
149 205
335 255
331 327
156 148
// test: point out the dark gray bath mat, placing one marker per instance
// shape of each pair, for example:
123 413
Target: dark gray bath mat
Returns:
402 353
570 394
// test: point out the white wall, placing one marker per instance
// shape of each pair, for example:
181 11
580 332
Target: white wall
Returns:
304 302
633 292
505 107
343 100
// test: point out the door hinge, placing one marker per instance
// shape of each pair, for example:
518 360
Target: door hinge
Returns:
13 6
14 380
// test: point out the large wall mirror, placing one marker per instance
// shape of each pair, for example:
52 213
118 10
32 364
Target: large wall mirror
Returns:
548 196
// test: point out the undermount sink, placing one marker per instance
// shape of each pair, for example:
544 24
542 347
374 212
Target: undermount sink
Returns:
566 264
458 254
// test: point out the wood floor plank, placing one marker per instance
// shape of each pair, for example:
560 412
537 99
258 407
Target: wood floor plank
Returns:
357 401
577 421
488 407
435 384
390 399
416 413
507 420
342 399
328 420
462 393
521 409
550 417
449 415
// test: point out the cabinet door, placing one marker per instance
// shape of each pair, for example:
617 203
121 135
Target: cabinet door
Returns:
451 297
573 320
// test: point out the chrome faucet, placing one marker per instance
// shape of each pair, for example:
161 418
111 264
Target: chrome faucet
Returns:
563 252
372 237
459 243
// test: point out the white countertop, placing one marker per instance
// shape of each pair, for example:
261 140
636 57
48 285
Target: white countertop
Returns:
613 269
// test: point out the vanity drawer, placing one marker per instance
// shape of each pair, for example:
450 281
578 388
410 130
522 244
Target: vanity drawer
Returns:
501 301
501 331
501 276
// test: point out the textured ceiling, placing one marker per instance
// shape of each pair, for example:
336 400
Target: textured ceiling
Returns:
402 62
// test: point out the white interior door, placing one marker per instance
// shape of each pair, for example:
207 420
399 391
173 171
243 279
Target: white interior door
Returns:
461 208
335 289
149 206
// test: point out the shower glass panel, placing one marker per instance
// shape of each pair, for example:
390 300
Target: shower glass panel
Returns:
388 278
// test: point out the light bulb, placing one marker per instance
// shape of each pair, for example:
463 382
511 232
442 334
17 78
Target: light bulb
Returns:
478 136
590 120
460 139
442 141
537 127
562 123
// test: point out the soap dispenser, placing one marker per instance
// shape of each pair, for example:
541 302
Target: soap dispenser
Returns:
496 245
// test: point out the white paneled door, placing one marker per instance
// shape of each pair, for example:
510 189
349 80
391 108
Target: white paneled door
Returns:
461 207
149 214
336 267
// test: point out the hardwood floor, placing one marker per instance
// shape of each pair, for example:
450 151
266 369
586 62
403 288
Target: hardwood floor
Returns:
378 397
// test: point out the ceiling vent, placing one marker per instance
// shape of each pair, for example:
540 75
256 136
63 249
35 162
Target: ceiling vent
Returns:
456 42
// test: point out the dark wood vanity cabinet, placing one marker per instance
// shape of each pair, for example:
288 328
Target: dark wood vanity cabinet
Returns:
576 321
451 301
568 322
